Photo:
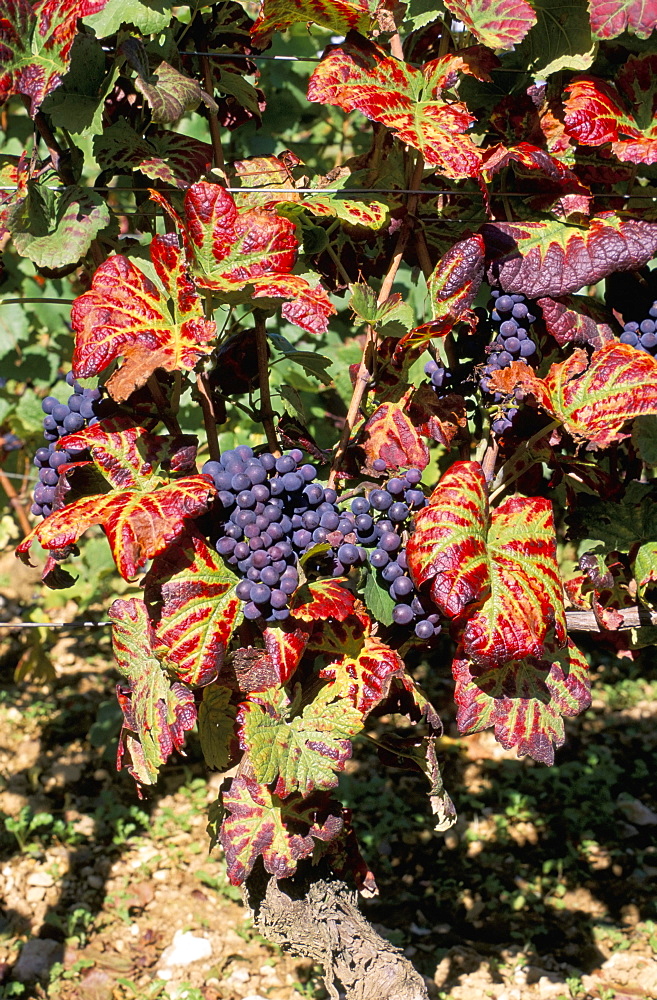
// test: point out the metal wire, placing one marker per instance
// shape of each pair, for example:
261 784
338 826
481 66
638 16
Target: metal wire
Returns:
53 624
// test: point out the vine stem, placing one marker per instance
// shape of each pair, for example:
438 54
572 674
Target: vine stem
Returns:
15 502
266 410
208 83
366 366
205 398
524 448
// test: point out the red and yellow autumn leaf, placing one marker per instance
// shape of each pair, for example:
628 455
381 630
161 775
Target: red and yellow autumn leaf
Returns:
360 76
285 646
35 45
364 677
340 15
125 314
525 701
246 254
156 712
578 319
553 258
496 571
322 599
260 824
389 434
593 398
138 524
596 113
301 748
453 287
498 24
191 592
610 18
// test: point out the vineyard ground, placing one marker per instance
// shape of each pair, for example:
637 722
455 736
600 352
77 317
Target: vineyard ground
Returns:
545 888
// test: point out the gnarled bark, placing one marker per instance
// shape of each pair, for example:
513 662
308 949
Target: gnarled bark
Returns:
320 920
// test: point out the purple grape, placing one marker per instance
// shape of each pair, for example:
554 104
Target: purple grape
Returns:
424 630
380 499
402 614
348 554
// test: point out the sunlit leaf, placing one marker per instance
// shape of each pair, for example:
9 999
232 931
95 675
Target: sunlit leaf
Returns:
285 646
578 319
360 76
499 24
364 679
322 599
163 155
35 42
453 286
301 749
593 398
389 434
495 570
78 216
260 824
610 18
138 525
216 727
195 610
596 113
156 712
126 315
525 701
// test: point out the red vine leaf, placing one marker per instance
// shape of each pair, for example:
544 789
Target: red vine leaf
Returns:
131 456
259 824
360 76
593 399
551 258
364 679
524 700
35 45
301 749
610 18
156 712
126 315
322 599
498 24
340 15
195 611
496 570
453 287
285 647
389 434
437 417
138 524
247 254
578 319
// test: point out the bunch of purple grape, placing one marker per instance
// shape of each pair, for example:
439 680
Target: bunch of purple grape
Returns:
642 335
437 373
79 411
395 504
511 317
272 511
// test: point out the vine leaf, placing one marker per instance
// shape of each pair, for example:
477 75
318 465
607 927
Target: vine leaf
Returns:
593 399
437 417
498 24
453 286
610 18
156 712
552 258
595 113
36 40
163 156
340 15
125 314
322 599
76 217
359 76
195 610
364 678
524 700
259 824
285 646
216 727
246 254
132 456
578 319
300 749
390 434
138 524
496 571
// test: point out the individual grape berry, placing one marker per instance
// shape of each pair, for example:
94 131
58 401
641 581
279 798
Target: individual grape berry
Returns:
379 465
402 614
424 629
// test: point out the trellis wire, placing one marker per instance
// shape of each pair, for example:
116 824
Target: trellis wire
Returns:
351 192
53 624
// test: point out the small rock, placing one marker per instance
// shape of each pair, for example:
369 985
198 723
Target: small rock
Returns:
34 894
185 949
239 976
255 996
37 957
635 811
40 878
550 989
